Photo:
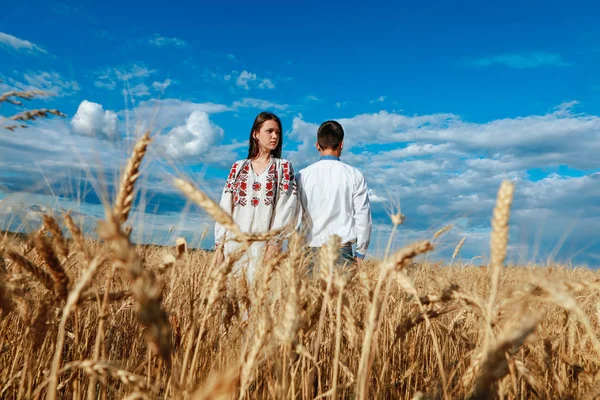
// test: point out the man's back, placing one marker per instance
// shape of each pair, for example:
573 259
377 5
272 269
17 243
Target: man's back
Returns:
335 202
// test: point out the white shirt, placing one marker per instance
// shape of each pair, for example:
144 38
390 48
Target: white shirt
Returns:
335 201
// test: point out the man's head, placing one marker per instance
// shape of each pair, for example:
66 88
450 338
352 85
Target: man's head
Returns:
330 138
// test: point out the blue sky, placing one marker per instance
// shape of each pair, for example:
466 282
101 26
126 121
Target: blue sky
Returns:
440 103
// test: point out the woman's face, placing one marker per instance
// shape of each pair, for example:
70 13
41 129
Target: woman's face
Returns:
268 135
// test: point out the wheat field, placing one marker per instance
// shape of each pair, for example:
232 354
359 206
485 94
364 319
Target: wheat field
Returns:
86 319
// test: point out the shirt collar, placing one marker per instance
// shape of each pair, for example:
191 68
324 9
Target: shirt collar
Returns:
329 158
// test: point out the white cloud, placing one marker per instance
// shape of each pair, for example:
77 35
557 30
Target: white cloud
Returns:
380 99
139 90
162 41
266 84
48 81
50 154
435 165
20 45
161 86
374 198
444 169
92 120
23 209
312 98
258 103
193 139
105 83
552 133
166 113
244 78
135 71
306 133
108 77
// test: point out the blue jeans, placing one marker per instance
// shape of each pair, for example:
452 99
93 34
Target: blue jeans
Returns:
346 257
346 254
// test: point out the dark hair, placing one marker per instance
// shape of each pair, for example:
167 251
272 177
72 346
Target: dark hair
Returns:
260 119
330 135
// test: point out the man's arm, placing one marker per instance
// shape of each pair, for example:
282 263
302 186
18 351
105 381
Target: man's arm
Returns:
362 217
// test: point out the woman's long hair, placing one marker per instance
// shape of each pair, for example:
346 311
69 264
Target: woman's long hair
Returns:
260 119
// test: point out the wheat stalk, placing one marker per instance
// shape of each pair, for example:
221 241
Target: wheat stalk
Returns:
209 205
27 95
457 249
59 275
42 276
131 173
499 244
396 261
57 236
6 304
77 236
495 364
71 303
143 287
221 386
251 356
441 231
181 247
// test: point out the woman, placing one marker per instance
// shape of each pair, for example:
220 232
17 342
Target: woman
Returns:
260 193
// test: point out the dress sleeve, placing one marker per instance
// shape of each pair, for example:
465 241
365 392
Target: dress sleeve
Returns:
286 207
300 223
362 216
226 203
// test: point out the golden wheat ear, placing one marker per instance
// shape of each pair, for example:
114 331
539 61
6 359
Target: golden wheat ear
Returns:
77 236
202 200
130 175
30 115
61 280
144 287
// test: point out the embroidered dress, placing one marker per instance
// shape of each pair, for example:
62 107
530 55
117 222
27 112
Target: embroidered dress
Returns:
258 203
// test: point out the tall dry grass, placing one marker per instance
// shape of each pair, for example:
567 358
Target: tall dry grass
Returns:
108 319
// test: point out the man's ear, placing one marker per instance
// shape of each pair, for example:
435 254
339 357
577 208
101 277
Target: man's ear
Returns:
341 145
318 147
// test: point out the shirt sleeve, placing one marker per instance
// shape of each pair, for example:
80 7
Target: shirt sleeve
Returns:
287 205
226 204
362 217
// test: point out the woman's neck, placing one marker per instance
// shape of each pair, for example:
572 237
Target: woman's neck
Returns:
263 155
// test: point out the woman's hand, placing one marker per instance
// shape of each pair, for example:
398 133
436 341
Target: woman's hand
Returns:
218 257
272 250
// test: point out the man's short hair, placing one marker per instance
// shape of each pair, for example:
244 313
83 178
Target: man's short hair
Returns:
330 135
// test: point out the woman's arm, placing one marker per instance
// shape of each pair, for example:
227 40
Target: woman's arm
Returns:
226 204
287 205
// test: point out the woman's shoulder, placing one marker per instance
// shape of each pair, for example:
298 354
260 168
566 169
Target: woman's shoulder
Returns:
237 163
282 162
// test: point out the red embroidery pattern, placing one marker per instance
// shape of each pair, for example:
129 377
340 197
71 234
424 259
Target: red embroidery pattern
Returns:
241 186
288 179
231 179
255 201
271 184
256 187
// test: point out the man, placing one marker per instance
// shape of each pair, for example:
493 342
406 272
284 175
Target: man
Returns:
334 198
